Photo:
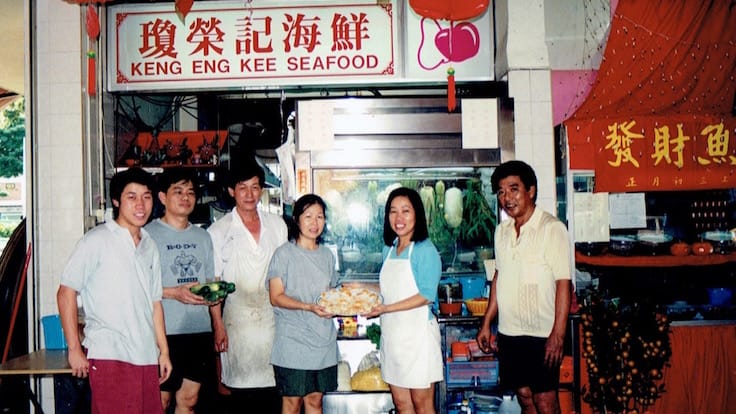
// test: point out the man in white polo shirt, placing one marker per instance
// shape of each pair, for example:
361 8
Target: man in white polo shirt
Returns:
530 293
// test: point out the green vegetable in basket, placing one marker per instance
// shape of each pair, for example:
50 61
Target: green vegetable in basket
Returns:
213 291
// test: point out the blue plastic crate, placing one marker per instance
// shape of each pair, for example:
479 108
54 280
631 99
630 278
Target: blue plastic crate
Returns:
52 332
471 373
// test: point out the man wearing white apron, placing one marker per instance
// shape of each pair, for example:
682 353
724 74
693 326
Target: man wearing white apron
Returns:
244 241
411 356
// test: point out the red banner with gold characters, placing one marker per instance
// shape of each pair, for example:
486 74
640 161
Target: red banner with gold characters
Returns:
637 153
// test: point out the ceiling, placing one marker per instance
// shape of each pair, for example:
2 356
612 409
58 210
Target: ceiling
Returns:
11 54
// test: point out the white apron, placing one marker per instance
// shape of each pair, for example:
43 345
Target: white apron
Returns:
411 356
249 319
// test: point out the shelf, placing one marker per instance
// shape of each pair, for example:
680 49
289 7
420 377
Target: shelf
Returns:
458 320
157 169
654 261
482 387
175 149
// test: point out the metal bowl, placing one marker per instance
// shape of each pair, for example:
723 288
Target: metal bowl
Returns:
653 243
722 241
622 245
591 248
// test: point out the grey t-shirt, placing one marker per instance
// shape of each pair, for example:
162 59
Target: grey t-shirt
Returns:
186 256
303 340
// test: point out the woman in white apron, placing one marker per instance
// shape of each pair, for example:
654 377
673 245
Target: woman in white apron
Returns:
244 241
411 356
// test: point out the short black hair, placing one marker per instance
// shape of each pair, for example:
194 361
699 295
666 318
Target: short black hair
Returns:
518 168
421 232
174 175
300 205
244 171
121 179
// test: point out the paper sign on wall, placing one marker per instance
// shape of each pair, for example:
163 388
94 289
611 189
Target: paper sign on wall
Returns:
315 126
591 217
628 210
480 123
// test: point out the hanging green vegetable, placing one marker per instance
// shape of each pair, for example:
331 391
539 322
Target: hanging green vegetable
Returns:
479 220
439 190
453 207
426 193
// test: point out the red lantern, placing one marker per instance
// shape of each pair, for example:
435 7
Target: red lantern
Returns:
453 11
449 10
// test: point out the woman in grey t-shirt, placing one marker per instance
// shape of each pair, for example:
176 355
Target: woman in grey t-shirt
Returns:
304 352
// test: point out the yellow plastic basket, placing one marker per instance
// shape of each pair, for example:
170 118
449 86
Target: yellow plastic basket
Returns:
477 306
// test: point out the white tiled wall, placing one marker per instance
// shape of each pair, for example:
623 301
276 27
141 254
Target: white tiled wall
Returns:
531 88
57 157
533 131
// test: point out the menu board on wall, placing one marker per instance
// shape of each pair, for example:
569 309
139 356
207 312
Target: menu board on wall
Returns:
274 43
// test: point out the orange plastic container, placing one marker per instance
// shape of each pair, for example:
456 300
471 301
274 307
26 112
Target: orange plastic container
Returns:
460 351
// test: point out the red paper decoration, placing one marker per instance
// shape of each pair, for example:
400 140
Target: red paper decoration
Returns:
93 32
93 23
183 7
454 10
451 99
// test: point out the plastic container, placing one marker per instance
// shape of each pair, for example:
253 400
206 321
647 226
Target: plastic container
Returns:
53 335
484 408
471 373
720 296
477 306
509 405
472 286
460 351
451 308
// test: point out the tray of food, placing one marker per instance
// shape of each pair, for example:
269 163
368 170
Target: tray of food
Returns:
349 301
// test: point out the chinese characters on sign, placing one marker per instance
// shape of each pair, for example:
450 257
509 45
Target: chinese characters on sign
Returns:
641 154
228 44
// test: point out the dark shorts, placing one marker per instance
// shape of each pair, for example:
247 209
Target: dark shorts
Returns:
300 382
192 357
521 364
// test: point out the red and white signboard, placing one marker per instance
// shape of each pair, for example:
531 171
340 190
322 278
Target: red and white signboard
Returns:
251 44
276 43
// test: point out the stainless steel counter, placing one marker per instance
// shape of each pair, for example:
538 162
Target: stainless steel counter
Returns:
357 403
704 322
